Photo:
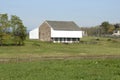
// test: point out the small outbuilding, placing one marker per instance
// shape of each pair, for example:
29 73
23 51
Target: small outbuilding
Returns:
57 32
116 33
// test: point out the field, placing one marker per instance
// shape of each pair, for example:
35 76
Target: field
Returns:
91 59
80 69
87 46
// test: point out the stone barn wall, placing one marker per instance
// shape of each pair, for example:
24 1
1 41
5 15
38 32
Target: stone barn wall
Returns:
45 32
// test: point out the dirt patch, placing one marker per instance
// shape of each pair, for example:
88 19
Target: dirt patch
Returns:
30 59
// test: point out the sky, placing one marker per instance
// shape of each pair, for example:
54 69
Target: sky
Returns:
85 13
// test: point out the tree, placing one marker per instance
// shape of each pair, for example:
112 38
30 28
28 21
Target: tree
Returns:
18 30
111 29
92 31
13 29
4 26
107 28
117 27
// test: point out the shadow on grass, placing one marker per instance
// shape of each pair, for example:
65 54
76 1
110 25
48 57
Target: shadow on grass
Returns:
12 45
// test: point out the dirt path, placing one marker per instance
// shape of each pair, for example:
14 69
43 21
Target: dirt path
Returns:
29 59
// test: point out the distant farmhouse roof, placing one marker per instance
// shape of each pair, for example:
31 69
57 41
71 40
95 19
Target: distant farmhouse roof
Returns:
64 25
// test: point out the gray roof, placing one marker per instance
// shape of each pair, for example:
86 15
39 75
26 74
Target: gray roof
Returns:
64 25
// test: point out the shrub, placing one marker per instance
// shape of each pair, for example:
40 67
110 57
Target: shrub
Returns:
109 39
97 39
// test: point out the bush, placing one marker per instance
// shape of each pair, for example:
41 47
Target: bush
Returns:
108 39
97 39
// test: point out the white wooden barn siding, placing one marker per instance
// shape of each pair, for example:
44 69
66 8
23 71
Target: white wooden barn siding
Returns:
34 34
65 34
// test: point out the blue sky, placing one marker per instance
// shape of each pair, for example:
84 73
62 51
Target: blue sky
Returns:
83 12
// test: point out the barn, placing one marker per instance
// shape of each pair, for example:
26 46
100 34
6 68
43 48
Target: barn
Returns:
57 32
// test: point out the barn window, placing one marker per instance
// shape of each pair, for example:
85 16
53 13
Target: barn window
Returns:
60 39
56 39
68 39
73 39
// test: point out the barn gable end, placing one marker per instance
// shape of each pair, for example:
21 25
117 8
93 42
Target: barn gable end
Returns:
45 32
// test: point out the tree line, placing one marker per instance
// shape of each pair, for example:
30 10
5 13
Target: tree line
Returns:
12 31
105 28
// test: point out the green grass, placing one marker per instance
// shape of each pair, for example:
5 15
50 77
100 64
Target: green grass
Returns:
64 69
81 69
87 46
